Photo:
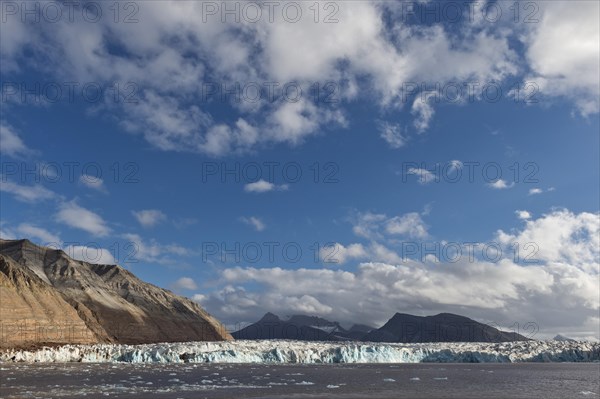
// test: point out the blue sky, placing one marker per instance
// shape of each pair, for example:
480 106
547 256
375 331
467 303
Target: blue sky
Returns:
385 193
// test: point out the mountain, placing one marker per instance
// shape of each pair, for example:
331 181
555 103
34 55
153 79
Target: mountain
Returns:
358 331
444 327
298 327
48 298
562 338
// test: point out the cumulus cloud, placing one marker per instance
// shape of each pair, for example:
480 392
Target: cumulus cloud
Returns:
524 215
367 48
423 175
562 237
92 182
255 222
33 193
409 225
338 253
149 217
562 50
375 226
559 292
500 184
184 283
367 224
73 215
263 186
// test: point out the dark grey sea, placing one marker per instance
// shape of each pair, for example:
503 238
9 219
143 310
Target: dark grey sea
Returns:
482 380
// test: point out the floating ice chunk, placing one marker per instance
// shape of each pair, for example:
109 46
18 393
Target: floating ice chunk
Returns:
333 386
389 380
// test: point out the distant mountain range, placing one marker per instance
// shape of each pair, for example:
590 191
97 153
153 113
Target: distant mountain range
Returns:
305 328
444 327
48 298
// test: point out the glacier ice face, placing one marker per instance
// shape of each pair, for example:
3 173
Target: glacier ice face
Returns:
284 351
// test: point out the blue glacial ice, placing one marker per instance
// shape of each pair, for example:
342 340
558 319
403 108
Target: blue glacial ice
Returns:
284 351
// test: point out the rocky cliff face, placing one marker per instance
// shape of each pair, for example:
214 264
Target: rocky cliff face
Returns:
71 301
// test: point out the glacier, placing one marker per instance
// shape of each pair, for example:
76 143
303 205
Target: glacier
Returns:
286 351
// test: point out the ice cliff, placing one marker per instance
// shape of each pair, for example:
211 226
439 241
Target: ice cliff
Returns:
281 351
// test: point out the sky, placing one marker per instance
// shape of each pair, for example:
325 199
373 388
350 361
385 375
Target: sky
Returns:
348 160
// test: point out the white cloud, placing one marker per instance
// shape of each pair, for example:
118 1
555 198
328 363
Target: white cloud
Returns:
410 225
199 298
337 253
263 186
152 251
31 231
534 191
149 217
91 254
523 215
73 215
377 290
455 164
562 237
184 283
255 222
92 182
367 224
375 226
501 184
565 279
32 193
367 47
392 134
562 50
10 142
424 176
423 111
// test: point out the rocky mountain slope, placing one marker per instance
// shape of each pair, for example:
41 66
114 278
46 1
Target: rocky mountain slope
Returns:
71 301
